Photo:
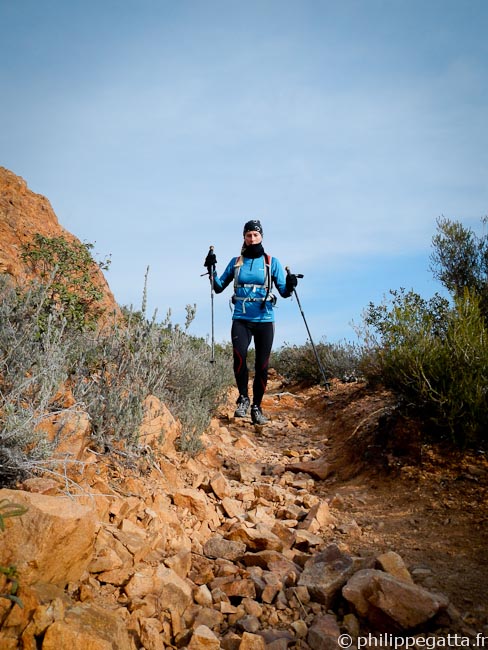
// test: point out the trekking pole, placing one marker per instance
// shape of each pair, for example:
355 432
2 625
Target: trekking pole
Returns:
210 262
321 368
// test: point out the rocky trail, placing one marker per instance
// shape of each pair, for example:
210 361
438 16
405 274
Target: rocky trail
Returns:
330 520
428 505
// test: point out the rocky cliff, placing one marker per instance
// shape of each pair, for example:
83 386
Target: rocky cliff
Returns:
23 214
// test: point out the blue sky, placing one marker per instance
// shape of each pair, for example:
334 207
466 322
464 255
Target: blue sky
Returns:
157 128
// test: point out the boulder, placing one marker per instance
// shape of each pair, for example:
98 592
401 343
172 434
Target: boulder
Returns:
258 538
318 517
150 634
251 641
69 430
403 604
326 573
174 593
158 429
87 627
218 547
324 633
197 503
319 469
232 507
52 542
220 486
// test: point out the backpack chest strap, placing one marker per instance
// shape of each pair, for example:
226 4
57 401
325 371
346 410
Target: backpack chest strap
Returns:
267 277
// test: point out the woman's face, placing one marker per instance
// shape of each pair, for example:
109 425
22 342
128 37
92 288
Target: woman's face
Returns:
253 237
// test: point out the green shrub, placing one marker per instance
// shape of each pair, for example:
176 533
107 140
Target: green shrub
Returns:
459 260
435 356
68 271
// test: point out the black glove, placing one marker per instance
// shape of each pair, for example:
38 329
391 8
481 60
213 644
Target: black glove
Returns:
291 282
210 260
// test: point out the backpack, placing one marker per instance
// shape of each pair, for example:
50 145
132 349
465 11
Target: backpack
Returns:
268 282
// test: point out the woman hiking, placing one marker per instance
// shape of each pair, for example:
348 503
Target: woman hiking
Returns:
254 272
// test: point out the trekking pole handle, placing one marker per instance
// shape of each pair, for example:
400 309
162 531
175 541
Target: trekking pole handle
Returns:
298 275
211 253
210 262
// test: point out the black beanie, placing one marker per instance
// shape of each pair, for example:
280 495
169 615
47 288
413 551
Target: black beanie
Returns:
253 225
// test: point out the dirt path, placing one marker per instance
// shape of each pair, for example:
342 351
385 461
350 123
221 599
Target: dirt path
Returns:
429 506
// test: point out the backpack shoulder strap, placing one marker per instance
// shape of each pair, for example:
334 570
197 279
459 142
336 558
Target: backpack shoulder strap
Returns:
237 267
269 279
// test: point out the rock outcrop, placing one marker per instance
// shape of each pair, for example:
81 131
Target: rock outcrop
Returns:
52 542
24 214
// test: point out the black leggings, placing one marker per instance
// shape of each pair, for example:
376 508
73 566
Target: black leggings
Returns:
242 332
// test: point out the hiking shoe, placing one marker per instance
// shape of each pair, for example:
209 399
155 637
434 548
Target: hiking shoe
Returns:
257 415
242 406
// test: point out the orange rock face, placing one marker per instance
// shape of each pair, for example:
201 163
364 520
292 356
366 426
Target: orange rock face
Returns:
23 214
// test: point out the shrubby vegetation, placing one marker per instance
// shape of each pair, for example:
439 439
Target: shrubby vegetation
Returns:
297 363
117 370
67 270
34 353
434 353
45 345
460 260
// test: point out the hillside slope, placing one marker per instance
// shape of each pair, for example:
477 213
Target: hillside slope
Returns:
24 214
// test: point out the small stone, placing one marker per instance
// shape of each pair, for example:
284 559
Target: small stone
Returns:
203 639
249 624
203 596
300 628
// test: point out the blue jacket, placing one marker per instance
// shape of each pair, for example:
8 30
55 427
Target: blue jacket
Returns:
249 296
